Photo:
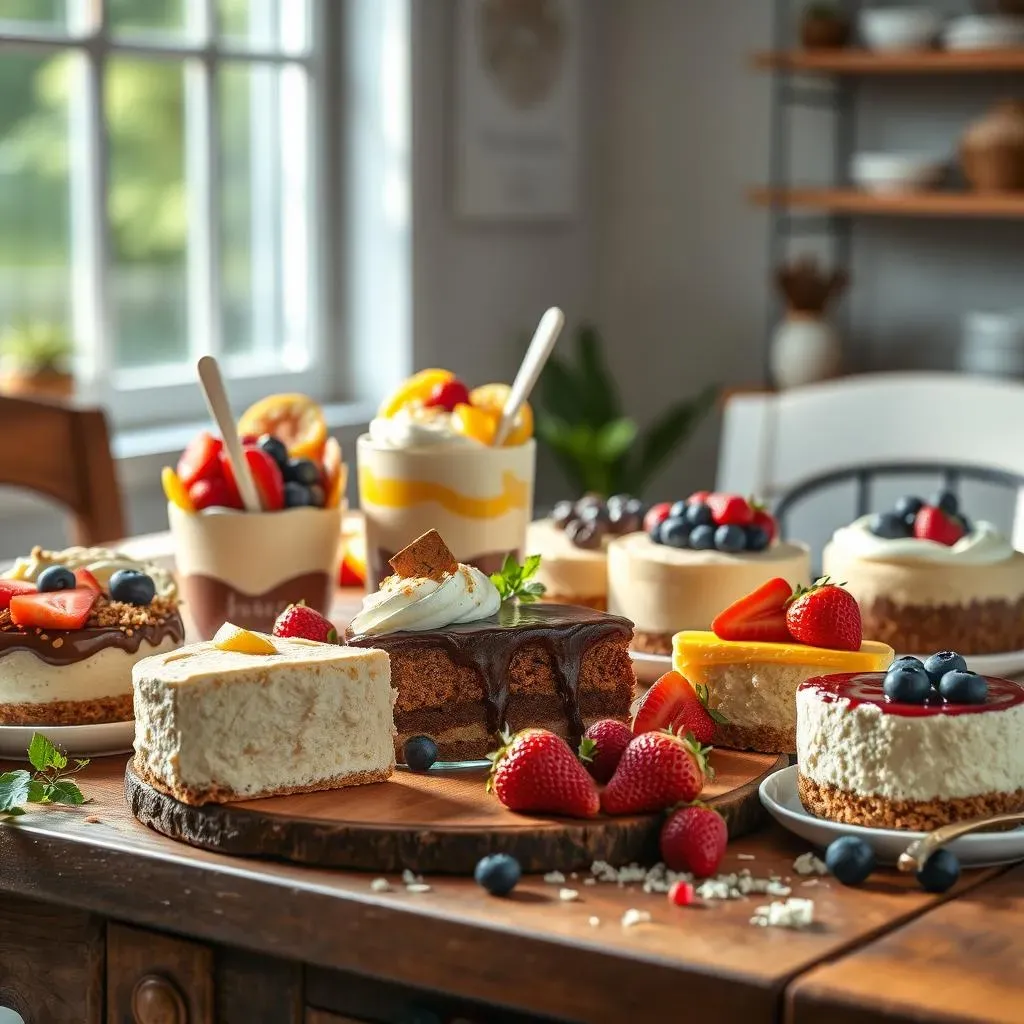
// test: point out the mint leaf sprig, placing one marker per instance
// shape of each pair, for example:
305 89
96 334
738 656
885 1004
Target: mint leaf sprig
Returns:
51 783
514 580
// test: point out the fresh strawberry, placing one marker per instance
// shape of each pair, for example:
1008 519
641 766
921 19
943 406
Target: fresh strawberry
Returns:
694 717
730 510
657 770
699 498
682 894
602 747
8 589
84 578
932 523
658 706
759 615
656 515
266 475
825 615
447 394
298 620
693 839
537 771
763 518
218 492
55 609
201 459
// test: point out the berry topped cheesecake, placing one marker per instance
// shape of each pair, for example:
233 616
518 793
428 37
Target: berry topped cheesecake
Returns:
573 545
925 577
692 559
761 648
920 746
72 625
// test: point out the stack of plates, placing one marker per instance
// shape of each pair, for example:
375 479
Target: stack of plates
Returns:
984 32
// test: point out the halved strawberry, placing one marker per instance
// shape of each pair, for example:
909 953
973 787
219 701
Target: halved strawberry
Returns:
730 509
759 615
86 579
201 459
659 706
763 518
55 609
8 589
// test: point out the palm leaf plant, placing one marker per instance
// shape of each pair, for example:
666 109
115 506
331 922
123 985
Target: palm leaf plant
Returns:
579 418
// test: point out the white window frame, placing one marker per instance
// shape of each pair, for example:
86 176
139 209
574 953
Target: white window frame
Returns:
168 393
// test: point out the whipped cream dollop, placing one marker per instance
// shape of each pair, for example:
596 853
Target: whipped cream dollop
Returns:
417 427
984 545
101 562
466 595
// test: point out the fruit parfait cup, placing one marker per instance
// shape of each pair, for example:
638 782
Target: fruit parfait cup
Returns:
247 567
428 463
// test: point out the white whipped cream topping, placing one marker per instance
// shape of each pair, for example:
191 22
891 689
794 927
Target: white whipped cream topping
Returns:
466 595
101 562
984 545
416 427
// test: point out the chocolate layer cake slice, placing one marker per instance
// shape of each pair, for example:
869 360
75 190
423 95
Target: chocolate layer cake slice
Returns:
555 666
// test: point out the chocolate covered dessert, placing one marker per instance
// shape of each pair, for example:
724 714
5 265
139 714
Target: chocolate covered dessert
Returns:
468 664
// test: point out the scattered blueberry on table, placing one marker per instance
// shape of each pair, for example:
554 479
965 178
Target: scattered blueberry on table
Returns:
940 872
498 874
420 752
850 860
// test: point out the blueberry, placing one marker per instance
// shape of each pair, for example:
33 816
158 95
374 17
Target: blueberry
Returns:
699 515
56 577
850 860
586 535
965 523
276 449
889 525
420 752
757 538
907 659
675 533
678 510
498 874
132 587
945 661
303 471
619 500
297 495
730 539
907 683
940 871
910 518
564 512
947 501
963 687
702 538
908 505
317 496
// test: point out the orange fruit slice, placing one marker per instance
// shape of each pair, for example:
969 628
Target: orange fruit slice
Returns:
296 420
175 491
415 388
352 572
335 473
471 421
492 398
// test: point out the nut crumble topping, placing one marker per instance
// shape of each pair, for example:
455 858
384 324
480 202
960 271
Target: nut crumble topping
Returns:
108 614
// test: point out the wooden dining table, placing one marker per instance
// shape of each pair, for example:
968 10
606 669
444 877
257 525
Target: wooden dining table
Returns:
104 921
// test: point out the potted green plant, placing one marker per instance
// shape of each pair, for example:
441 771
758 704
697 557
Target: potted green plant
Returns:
34 360
824 26
579 419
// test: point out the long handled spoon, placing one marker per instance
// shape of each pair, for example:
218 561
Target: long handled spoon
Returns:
915 855
212 385
543 342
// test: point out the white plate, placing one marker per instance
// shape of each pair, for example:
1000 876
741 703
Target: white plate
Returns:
1009 664
650 668
77 740
780 798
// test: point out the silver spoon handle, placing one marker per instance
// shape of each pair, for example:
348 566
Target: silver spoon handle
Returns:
915 855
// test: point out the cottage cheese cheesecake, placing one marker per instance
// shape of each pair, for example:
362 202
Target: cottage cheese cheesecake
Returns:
249 715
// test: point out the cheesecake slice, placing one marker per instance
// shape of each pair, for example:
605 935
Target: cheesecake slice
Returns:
752 685
272 716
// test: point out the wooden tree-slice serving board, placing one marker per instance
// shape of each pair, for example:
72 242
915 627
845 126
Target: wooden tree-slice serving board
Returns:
434 822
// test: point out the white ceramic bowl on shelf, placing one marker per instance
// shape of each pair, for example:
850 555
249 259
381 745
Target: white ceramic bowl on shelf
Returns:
984 32
889 173
899 28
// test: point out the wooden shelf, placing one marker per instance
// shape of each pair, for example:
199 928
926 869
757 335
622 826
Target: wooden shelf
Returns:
919 204
866 62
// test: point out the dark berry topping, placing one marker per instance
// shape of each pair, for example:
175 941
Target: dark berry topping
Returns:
702 538
584 535
699 515
303 471
850 860
498 874
947 501
297 495
890 525
563 514
56 577
678 510
276 449
675 533
132 587
908 506
962 687
907 683
945 661
940 872
419 752
730 539
757 538
589 520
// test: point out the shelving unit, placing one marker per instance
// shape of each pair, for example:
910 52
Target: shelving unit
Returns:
798 211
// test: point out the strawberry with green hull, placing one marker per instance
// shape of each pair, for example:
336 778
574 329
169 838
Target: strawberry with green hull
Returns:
693 839
825 615
656 771
298 620
672 703
602 746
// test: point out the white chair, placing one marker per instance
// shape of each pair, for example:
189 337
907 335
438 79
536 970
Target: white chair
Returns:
826 452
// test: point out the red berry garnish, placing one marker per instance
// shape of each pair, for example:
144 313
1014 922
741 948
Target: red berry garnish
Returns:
682 894
448 394
656 515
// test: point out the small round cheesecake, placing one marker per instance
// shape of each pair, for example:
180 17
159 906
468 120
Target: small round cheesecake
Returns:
865 759
571 574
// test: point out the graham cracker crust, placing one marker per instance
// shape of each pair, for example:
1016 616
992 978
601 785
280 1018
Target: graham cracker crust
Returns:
977 627
598 602
765 739
196 797
69 712
652 643
834 804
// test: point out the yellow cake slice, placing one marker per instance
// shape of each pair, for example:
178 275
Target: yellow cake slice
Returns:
752 684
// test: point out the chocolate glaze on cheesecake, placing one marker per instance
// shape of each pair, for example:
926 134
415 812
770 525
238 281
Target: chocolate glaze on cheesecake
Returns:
68 646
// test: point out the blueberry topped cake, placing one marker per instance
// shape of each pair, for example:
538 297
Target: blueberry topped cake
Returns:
926 576
72 625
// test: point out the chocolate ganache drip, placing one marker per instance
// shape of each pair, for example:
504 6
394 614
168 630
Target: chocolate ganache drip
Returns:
67 646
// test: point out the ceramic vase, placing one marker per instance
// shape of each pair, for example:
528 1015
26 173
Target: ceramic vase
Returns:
804 349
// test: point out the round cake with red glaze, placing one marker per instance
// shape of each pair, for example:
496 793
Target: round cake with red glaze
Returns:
936 755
